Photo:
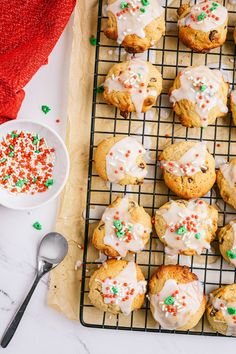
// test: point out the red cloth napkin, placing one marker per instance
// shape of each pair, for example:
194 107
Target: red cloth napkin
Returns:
29 29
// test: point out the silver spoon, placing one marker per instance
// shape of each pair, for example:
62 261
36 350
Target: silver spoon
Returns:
52 250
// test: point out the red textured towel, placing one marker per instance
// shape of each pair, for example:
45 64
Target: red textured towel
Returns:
29 29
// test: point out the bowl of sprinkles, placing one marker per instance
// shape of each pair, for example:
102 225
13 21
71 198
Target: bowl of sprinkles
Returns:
34 164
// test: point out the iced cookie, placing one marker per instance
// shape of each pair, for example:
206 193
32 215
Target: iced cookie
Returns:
227 241
233 105
117 287
132 86
137 25
199 96
203 26
176 297
226 180
188 169
121 160
221 310
125 226
186 227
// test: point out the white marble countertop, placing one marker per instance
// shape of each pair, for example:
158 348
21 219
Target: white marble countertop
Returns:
43 330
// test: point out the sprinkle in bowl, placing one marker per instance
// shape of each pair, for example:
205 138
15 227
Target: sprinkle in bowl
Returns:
34 164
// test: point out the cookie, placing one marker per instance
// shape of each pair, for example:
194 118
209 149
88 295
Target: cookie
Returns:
188 169
121 160
199 96
233 105
117 287
132 86
136 25
221 310
227 242
177 299
226 181
125 227
186 227
235 34
203 26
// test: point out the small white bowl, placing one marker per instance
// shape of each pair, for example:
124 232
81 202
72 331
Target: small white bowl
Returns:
61 167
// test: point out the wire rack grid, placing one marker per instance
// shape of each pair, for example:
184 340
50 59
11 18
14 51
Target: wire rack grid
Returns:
156 130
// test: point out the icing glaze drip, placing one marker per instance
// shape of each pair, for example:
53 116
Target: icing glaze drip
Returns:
134 81
200 85
133 16
228 310
205 16
191 162
229 172
121 160
176 303
121 233
185 226
123 289
232 252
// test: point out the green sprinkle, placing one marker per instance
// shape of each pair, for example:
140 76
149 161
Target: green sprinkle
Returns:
11 147
20 183
6 177
181 230
11 154
142 9
49 182
36 140
117 224
215 4
197 236
203 88
35 179
93 40
130 227
37 151
45 109
120 234
3 160
231 310
100 89
37 225
114 290
169 300
14 135
123 5
202 16
231 254
145 2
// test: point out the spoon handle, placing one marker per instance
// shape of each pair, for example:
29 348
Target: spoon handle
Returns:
12 327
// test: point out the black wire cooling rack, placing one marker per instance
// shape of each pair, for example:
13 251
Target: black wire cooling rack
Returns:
170 56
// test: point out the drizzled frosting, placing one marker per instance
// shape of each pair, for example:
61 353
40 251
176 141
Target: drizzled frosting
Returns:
121 233
186 226
122 289
229 172
231 253
134 81
134 15
200 85
228 310
205 16
176 303
121 160
191 162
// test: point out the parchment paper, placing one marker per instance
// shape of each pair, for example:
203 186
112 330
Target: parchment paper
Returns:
64 290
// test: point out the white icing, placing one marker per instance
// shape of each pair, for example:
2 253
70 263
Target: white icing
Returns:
134 21
122 244
223 306
121 160
186 303
196 223
200 85
209 22
133 80
123 284
229 172
233 96
190 163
